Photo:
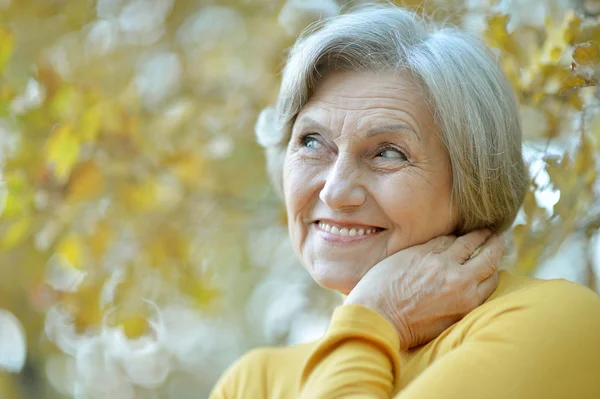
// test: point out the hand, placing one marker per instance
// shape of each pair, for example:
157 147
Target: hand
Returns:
424 289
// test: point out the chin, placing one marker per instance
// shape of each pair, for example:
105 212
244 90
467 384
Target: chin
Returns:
331 279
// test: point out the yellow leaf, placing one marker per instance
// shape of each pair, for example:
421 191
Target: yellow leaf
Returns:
71 250
202 294
67 104
49 78
17 194
7 93
585 165
135 326
86 182
574 82
138 197
84 305
7 44
575 101
110 114
529 256
555 53
559 37
587 53
559 170
89 125
497 35
168 245
16 233
98 241
571 26
188 167
62 151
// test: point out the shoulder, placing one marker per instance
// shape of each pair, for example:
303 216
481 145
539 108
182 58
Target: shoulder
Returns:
542 330
570 308
543 314
560 299
566 294
543 295
260 371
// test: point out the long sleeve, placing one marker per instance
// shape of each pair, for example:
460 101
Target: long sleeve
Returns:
543 342
358 357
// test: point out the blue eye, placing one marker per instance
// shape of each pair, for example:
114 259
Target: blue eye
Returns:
311 142
391 153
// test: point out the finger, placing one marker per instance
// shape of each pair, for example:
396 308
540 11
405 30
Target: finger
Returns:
487 287
438 244
463 248
486 262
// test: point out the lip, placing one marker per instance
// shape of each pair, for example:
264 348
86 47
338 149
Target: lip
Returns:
348 224
343 240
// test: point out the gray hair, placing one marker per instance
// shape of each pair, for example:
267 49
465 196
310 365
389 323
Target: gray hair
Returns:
473 102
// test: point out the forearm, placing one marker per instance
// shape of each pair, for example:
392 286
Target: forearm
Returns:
527 347
357 358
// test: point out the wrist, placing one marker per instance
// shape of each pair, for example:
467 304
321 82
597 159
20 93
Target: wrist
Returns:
393 318
372 305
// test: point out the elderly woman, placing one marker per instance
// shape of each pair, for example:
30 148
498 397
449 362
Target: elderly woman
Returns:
397 149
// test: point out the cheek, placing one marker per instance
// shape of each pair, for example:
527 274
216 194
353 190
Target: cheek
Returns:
300 182
402 205
419 210
299 190
299 193
292 187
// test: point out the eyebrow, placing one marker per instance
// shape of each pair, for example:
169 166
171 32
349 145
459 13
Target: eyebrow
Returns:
308 122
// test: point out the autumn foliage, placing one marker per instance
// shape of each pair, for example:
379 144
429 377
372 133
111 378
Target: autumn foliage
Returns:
136 220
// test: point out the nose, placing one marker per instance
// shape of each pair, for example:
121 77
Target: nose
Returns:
343 189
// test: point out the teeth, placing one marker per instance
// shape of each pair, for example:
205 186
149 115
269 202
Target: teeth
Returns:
345 231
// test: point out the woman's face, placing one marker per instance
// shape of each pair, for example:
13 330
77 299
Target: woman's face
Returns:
365 176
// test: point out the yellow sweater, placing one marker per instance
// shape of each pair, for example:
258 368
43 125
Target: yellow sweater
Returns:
531 339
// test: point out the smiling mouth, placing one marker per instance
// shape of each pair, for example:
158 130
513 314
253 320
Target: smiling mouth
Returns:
347 231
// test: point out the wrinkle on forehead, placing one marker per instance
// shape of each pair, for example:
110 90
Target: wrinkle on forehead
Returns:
360 98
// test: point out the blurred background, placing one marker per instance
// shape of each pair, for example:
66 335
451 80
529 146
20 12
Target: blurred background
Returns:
142 249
